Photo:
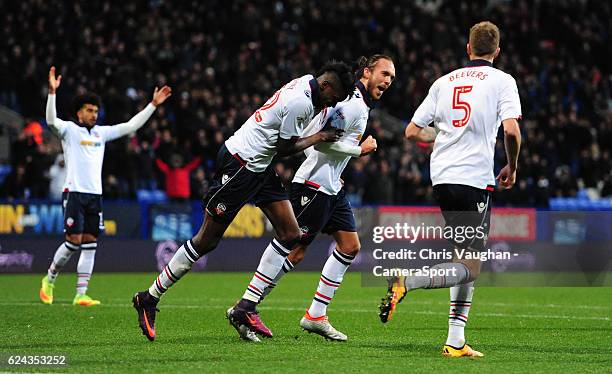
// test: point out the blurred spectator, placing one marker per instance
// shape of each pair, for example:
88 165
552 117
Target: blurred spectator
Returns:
199 184
15 186
57 177
224 63
177 176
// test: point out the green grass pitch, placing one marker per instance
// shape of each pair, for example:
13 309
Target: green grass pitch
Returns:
518 329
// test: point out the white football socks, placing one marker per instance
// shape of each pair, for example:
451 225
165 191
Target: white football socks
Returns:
460 303
454 274
85 266
179 265
61 257
331 278
272 266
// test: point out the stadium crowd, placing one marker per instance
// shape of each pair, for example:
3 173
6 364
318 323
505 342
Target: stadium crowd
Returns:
224 58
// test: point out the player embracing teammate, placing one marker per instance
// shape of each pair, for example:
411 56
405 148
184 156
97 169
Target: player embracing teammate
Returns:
321 205
244 174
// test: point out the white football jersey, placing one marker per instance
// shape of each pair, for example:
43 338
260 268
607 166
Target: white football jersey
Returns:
84 154
323 169
285 114
84 148
466 107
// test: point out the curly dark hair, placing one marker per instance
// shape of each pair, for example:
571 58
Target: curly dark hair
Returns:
87 98
343 72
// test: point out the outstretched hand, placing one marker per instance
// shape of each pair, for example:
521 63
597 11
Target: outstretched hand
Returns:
160 95
54 82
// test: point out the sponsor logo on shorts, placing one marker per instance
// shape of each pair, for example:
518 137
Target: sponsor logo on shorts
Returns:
224 178
305 200
481 207
307 93
69 222
220 209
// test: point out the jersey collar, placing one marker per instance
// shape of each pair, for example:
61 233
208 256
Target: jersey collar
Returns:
478 62
366 96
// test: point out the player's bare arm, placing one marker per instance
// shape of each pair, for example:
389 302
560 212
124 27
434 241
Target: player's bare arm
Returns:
512 143
288 147
420 134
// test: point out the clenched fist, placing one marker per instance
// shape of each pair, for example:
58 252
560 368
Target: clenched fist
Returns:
368 146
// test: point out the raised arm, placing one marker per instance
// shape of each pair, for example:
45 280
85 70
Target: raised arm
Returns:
55 124
136 122
193 164
162 165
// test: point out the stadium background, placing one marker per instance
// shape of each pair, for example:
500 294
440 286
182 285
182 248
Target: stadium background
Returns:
223 59
223 64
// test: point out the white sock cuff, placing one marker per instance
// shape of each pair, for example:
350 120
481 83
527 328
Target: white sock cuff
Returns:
279 248
89 245
287 266
190 252
343 258
71 246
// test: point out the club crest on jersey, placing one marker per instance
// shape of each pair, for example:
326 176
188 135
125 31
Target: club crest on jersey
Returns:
220 209
224 178
304 200
304 230
69 222
481 207
95 133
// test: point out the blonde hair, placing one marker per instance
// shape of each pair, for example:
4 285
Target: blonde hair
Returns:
484 38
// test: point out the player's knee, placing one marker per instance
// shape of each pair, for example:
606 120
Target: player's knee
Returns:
289 238
351 249
75 239
204 246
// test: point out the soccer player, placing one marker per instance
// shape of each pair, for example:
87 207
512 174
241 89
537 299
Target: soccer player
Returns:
83 143
320 203
466 107
244 174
